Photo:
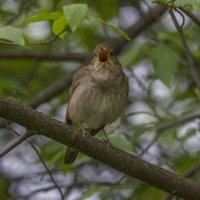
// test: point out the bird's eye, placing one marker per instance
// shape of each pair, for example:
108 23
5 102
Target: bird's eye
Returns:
111 53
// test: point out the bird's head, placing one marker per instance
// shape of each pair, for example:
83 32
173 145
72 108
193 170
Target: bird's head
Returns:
104 53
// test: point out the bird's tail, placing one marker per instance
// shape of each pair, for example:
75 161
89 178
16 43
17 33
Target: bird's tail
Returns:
70 155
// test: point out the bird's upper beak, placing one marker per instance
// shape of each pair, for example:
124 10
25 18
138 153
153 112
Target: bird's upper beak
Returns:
103 56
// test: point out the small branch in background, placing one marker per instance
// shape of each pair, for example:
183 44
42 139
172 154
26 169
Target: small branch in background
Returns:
79 57
16 143
193 171
149 145
35 43
48 93
166 127
186 49
49 40
183 18
193 17
42 161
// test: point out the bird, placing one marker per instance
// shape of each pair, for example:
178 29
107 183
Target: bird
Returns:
98 95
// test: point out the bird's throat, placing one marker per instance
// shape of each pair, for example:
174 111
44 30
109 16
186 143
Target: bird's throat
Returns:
103 56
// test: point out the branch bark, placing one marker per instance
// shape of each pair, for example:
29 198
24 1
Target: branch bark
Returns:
97 149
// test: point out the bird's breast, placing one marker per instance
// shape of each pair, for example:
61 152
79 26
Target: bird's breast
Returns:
94 106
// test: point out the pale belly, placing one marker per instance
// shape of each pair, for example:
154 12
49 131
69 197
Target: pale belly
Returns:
94 109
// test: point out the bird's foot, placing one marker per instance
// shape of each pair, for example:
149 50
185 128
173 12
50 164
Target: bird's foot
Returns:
106 140
84 131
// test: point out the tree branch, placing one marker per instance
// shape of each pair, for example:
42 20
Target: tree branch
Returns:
97 149
186 49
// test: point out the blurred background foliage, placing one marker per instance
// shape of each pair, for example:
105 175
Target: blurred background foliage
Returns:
160 123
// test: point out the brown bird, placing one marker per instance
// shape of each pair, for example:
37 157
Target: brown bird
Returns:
99 94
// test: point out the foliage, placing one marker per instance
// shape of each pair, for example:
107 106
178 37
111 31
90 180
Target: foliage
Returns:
43 42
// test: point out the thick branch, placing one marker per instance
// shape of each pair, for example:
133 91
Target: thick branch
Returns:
97 149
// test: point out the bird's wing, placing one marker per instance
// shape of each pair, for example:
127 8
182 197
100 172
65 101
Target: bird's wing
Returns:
78 77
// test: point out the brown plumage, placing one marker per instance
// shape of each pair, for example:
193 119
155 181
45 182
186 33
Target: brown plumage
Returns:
99 94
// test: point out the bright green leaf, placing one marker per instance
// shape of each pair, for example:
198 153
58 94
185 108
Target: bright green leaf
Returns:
111 26
41 16
51 151
165 61
120 142
59 27
12 34
75 13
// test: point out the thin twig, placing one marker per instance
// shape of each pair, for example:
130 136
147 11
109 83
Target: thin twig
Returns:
48 170
183 18
193 17
186 49
140 112
36 43
15 143
166 127
149 145
48 56
43 162
51 39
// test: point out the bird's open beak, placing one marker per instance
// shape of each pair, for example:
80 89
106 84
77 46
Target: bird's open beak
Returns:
103 56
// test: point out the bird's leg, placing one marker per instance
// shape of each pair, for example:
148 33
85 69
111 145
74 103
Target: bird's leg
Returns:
107 140
84 131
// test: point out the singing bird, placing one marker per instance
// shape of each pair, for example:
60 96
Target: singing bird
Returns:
99 94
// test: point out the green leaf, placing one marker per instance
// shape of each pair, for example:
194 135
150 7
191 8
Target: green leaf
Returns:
91 191
75 13
12 34
165 61
111 26
194 4
52 151
120 142
132 55
59 27
41 16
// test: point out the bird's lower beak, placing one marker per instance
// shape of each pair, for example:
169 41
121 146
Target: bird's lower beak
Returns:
103 56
